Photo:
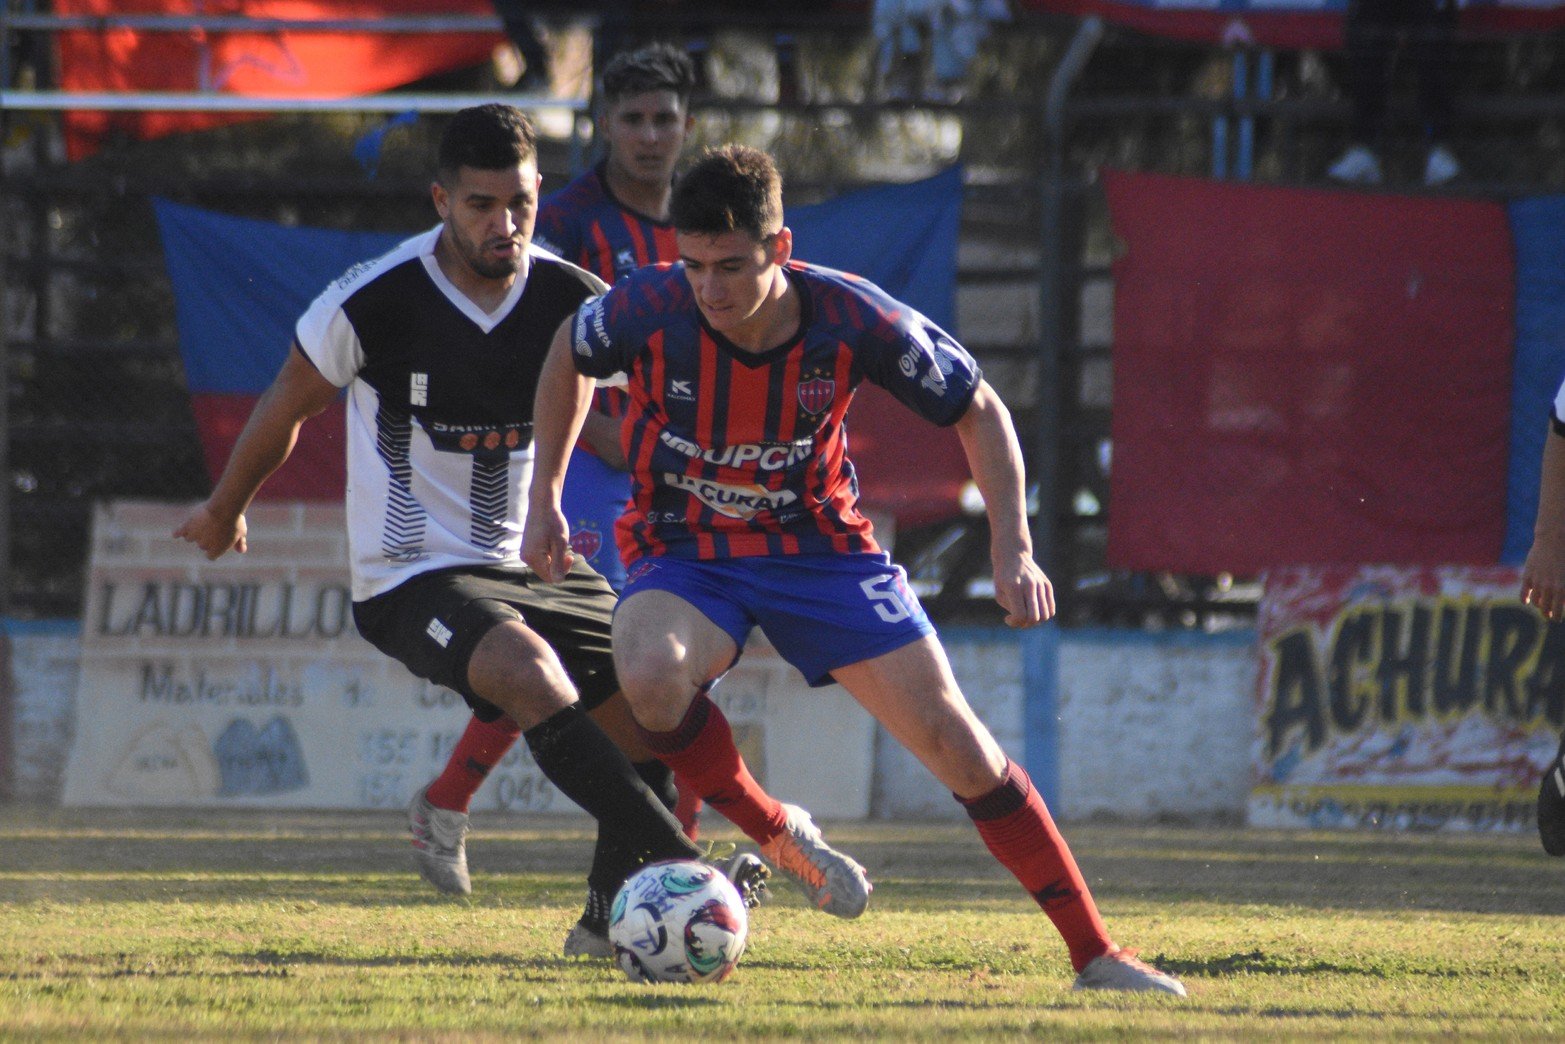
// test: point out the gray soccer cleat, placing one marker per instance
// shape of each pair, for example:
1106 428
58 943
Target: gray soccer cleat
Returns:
439 845
833 881
1121 970
582 941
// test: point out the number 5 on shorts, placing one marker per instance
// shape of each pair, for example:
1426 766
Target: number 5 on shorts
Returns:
888 603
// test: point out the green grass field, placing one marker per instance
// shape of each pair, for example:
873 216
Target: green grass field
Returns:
293 925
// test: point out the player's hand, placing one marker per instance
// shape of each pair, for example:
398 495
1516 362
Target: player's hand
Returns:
1543 576
546 543
214 534
1022 589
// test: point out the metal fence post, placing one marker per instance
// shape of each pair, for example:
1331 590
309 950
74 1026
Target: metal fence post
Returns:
1046 440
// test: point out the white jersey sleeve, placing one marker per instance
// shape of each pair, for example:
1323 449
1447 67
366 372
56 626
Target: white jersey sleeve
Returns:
324 332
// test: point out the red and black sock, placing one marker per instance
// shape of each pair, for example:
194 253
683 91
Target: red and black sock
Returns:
701 750
1016 825
479 750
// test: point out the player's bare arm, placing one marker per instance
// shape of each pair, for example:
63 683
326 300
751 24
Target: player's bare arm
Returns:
1543 575
298 393
995 458
559 410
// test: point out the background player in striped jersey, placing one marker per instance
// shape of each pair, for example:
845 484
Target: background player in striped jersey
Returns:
741 365
611 220
439 344
1543 585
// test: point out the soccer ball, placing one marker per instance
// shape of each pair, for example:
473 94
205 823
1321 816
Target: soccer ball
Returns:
678 921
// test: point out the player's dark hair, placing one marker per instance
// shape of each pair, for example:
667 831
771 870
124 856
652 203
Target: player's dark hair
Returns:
485 137
656 67
734 188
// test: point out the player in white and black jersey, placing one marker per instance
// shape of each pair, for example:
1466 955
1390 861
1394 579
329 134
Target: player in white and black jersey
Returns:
439 345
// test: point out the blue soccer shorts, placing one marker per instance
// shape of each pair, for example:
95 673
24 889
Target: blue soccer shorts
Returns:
820 612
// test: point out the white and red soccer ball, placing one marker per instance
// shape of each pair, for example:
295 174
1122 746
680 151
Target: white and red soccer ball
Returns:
678 921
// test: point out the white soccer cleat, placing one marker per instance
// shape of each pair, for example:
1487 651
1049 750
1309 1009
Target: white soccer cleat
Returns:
1441 166
1121 970
833 881
582 941
1357 166
440 845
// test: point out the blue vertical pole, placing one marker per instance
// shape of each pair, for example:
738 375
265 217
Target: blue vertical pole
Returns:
1244 160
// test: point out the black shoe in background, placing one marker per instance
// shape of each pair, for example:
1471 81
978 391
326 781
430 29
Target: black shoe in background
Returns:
1551 805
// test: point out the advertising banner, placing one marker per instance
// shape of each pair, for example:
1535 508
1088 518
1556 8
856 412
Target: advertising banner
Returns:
1411 698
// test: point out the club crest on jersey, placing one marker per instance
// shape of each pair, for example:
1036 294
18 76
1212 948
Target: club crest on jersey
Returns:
625 262
586 542
816 393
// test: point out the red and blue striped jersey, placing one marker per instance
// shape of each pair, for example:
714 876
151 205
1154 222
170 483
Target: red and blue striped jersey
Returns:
735 453
587 226
584 224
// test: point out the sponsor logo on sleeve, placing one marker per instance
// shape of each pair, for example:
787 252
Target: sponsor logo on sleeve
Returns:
590 326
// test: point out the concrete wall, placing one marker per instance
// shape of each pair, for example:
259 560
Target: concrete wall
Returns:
1131 725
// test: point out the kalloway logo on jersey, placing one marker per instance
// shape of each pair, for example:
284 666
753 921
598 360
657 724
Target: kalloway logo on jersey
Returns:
742 502
768 456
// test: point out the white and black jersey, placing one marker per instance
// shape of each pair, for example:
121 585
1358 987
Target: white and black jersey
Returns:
440 406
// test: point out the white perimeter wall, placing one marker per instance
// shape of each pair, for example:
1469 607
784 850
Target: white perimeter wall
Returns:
1147 725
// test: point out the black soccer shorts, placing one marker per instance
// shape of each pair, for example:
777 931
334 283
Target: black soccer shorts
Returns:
432 623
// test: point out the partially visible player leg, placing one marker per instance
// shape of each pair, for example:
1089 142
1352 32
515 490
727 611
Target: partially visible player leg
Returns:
589 936
1551 804
913 694
516 670
437 818
667 653
687 809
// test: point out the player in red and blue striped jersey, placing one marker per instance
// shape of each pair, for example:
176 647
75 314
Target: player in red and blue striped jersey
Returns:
738 453
741 366
612 220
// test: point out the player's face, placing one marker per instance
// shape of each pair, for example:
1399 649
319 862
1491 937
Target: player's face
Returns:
489 216
733 275
645 134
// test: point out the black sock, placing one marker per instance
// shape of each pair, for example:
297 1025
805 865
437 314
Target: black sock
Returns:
659 779
595 915
580 759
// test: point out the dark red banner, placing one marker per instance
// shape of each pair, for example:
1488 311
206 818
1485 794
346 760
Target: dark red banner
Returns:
1289 24
1306 376
286 64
